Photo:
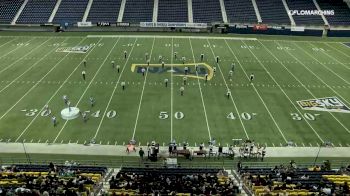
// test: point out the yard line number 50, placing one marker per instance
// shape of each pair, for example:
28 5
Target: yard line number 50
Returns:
164 115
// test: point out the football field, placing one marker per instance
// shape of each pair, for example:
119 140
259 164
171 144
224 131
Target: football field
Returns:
300 92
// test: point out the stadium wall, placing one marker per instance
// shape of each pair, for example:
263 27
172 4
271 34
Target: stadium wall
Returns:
338 33
274 30
215 28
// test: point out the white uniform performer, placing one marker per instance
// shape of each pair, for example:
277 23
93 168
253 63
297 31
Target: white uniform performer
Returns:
230 74
65 98
166 82
182 89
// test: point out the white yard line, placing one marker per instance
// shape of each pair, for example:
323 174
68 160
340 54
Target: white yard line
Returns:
63 83
257 92
113 92
303 84
11 40
168 36
36 84
43 57
92 79
143 89
263 66
316 133
200 90
340 51
227 88
2 70
171 90
346 67
303 64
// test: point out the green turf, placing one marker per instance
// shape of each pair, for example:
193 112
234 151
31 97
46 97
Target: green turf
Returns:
285 72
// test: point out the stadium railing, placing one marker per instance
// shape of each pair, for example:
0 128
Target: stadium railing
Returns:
125 161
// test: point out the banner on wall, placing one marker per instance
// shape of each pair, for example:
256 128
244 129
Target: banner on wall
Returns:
300 29
173 24
260 27
103 24
84 24
123 24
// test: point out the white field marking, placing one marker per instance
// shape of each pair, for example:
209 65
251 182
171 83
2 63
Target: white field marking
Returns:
166 36
327 67
13 63
200 90
329 45
33 87
341 63
14 49
314 41
43 57
91 81
274 56
307 88
227 88
263 66
115 88
204 37
64 82
316 74
257 92
171 90
143 89
11 40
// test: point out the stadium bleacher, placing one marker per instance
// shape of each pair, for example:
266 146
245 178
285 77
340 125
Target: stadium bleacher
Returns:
172 11
36 12
138 11
49 179
8 10
291 180
341 11
240 11
304 19
273 12
104 11
206 11
70 11
165 181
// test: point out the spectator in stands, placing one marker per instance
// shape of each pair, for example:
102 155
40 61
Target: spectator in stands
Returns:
239 166
141 153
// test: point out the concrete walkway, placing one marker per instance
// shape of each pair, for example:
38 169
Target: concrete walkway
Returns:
119 150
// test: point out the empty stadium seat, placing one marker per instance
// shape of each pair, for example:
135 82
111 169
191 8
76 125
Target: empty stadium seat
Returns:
341 11
304 19
138 11
172 11
36 11
240 11
70 11
273 12
8 10
206 11
104 11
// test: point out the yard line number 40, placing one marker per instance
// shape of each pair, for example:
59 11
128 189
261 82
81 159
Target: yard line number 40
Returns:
44 113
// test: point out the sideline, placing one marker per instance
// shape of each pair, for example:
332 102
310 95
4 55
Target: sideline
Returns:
120 150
